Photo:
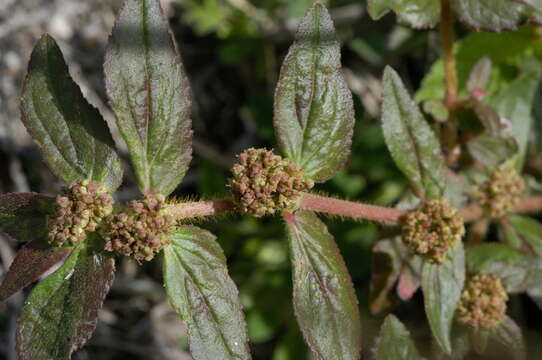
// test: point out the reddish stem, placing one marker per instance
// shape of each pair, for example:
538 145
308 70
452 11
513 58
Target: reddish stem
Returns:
201 208
350 209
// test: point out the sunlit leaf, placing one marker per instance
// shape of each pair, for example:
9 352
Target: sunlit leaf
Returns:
71 133
411 142
150 94
325 303
205 297
415 13
491 15
61 312
442 285
314 113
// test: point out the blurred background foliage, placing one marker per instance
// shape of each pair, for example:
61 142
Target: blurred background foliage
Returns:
232 51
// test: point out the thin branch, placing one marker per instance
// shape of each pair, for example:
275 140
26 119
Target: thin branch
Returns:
196 209
350 209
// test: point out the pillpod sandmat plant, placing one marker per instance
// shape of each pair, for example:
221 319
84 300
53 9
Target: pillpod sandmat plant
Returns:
483 302
502 192
433 230
471 128
264 183
141 230
79 209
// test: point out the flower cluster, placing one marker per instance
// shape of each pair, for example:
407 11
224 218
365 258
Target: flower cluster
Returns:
141 231
502 193
79 209
433 229
483 302
264 182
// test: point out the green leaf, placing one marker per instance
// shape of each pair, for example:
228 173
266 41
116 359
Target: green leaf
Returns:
515 102
325 303
71 133
506 51
395 342
442 285
31 261
150 94
526 232
515 268
314 112
205 297
480 75
508 334
411 142
61 312
414 13
490 15
23 216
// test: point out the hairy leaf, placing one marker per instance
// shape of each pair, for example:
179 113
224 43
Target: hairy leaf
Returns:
71 133
415 13
32 260
411 142
150 94
61 312
442 285
325 303
525 232
515 268
514 103
24 215
491 15
508 334
205 297
395 342
314 112
480 75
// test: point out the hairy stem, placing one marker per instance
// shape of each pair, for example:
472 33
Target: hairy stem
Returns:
338 207
201 208
350 209
447 39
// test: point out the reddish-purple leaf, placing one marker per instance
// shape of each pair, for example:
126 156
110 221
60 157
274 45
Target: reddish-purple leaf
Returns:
61 312
23 215
408 284
34 259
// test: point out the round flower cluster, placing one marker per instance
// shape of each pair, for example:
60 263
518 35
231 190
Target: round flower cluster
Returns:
433 229
483 302
141 231
264 182
502 193
79 209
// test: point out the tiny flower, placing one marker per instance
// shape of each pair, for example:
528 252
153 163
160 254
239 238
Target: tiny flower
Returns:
79 208
141 231
433 229
264 183
483 302
502 192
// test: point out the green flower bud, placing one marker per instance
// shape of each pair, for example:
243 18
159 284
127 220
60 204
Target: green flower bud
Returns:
483 302
264 183
502 192
433 229
79 208
141 231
